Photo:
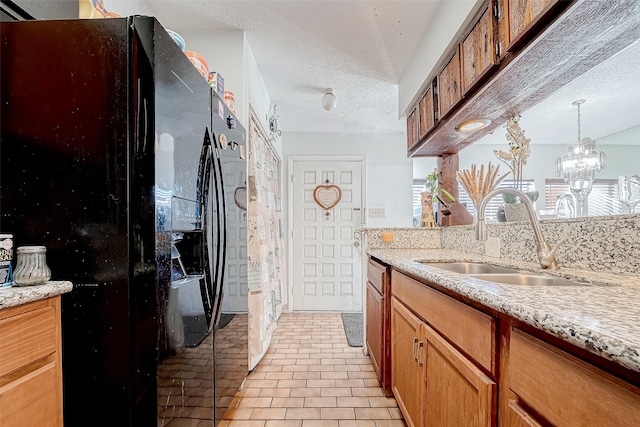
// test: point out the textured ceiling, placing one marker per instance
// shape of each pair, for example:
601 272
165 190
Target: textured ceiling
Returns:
359 48
612 94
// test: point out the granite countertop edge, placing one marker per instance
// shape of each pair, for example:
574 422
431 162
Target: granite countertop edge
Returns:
601 318
18 295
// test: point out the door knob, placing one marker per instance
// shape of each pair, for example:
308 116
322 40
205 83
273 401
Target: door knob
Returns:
356 244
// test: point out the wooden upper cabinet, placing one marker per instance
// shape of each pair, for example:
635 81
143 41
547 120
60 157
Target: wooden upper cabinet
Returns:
523 15
427 113
412 128
478 53
449 87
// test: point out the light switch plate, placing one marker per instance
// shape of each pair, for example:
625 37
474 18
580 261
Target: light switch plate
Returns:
376 212
492 247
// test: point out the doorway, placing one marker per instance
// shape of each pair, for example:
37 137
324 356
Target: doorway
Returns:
326 252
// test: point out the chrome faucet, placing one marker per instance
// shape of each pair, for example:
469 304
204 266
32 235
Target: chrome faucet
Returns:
546 255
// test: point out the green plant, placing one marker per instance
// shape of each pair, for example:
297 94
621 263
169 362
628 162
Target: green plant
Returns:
431 186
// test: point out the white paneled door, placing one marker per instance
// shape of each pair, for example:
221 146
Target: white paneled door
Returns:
327 257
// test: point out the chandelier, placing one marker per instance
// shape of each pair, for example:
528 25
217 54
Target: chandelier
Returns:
579 165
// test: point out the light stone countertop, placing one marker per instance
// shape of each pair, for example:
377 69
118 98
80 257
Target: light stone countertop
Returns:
603 318
18 295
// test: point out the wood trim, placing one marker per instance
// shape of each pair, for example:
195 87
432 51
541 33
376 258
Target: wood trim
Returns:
467 328
582 37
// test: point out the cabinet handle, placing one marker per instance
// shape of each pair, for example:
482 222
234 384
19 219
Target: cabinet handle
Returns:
414 348
418 359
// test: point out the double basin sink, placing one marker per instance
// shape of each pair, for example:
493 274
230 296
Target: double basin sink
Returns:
505 275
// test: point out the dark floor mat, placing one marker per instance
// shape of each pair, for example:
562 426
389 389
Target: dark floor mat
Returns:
225 318
195 330
352 323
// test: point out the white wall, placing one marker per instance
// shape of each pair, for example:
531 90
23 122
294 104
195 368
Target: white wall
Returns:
129 7
446 26
388 170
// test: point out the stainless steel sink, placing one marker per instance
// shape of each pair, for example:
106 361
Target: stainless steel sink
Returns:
472 268
529 279
505 275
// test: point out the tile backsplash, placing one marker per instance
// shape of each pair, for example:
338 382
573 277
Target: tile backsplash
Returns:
607 244
405 238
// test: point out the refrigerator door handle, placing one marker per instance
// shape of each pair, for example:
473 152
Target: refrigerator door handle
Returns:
222 231
203 190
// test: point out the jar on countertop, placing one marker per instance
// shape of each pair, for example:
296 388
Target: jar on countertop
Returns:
31 266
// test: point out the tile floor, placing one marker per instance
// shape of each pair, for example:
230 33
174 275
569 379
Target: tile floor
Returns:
310 377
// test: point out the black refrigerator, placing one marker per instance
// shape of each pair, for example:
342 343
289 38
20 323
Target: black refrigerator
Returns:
110 156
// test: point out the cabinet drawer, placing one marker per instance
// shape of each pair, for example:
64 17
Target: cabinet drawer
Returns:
27 337
466 327
565 390
376 275
32 400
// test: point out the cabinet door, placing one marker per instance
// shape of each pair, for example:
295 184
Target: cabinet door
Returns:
449 90
517 416
427 114
406 376
412 128
457 392
375 330
478 51
565 390
523 15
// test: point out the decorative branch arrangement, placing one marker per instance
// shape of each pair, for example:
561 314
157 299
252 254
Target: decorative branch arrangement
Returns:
519 150
478 184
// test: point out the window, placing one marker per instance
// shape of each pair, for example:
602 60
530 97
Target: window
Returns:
465 200
493 205
603 199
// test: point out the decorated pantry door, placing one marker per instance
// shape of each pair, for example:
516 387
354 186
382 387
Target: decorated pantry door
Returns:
327 258
265 243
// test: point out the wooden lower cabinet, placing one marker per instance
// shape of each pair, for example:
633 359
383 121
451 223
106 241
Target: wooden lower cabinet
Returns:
517 416
407 376
562 390
436 385
31 365
444 369
457 392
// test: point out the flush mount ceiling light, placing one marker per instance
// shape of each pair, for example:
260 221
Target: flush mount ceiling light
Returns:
329 100
473 125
